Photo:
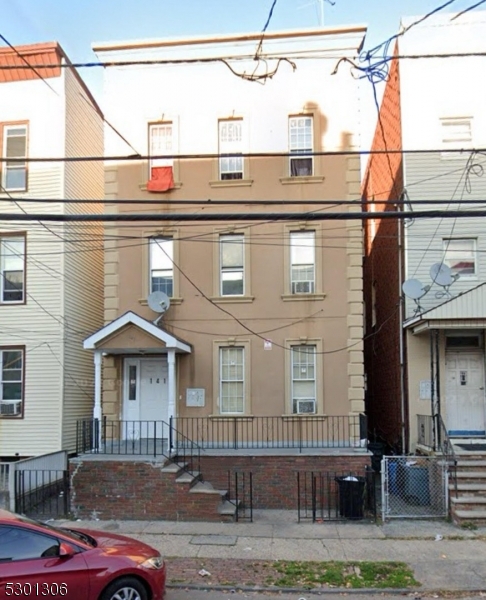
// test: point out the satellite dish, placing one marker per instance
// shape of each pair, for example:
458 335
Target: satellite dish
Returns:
158 302
414 289
441 274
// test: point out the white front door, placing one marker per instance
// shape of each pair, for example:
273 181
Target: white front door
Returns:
145 397
465 399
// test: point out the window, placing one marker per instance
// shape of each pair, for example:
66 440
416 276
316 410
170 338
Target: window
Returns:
460 256
300 142
162 266
232 382
17 543
302 262
303 368
230 142
232 265
161 169
12 269
456 134
11 383
14 176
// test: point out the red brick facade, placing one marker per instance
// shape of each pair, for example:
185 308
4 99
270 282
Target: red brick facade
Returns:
141 490
383 186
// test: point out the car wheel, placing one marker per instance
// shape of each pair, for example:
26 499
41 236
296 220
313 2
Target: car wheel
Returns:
127 588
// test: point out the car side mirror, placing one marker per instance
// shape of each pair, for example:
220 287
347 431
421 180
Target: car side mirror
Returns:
66 550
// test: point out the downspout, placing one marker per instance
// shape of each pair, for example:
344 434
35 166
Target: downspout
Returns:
400 336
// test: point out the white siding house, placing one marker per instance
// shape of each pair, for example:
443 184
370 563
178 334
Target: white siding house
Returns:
51 283
442 108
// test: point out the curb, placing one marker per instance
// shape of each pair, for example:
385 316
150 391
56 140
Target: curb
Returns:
324 591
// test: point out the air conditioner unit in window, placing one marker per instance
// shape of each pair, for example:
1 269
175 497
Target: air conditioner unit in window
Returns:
302 287
306 407
9 408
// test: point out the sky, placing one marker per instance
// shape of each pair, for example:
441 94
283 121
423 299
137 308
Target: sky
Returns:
77 24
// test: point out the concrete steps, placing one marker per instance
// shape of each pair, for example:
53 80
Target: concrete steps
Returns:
470 504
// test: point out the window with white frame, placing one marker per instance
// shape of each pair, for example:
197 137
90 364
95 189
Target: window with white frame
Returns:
14 174
161 144
12 269
302 262
162 265
231 142
232 268
232 379
303 369
11 360
301 140
460 256
456 134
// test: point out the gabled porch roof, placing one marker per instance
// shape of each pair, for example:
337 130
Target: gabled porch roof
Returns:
465 311
132 333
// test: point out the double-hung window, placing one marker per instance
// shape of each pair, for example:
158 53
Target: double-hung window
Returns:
232 379
12 269
232 268
460 256
456 135
162 265
303 369
11 361
301 141
302 262
14 173
231 142
161 144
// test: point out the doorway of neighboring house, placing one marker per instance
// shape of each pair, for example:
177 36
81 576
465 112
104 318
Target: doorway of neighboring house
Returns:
145 397
465 397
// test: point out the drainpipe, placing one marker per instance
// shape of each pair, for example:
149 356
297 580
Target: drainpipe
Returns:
97 397
172 383
400 336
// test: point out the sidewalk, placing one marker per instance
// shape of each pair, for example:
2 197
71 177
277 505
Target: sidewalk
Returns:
442 556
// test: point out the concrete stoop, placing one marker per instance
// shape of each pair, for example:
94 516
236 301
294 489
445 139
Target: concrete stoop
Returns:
210 502
468 500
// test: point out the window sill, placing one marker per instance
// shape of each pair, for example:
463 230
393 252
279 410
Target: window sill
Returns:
173 301
10 417
302 297
230 416
143 188
305 416
305 179
232 299
13 303
220 183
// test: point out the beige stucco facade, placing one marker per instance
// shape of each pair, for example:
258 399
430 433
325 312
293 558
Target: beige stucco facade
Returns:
267 320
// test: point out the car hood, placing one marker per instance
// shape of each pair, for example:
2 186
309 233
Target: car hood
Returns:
114 544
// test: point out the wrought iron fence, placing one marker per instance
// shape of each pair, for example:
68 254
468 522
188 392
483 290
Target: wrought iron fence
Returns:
295 431
42 492
137 438
240 493
414 486
336 496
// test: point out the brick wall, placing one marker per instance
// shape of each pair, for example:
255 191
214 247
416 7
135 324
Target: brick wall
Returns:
383 185
140 490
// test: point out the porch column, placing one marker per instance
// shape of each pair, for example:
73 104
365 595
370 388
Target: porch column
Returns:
172 383
97 396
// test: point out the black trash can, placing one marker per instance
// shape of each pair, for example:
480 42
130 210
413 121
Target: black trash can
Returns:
351 496
378 449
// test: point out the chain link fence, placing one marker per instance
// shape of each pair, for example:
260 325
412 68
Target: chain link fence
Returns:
414 486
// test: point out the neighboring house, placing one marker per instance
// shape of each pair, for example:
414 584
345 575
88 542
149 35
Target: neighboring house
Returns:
426 349
51 284
262 344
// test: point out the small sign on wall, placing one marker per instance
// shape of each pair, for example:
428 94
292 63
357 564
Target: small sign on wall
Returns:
195 397
425 389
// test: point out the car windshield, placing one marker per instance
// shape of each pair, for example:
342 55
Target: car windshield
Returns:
75 536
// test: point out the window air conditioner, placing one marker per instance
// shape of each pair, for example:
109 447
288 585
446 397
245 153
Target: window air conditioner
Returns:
306 407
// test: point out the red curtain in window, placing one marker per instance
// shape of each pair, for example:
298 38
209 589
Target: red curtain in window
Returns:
161 180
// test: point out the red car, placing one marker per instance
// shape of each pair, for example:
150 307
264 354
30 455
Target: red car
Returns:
37 560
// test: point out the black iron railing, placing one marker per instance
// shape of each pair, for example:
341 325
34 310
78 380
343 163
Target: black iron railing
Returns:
42 493
335 496
432 433
137 438
293 431
240 493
